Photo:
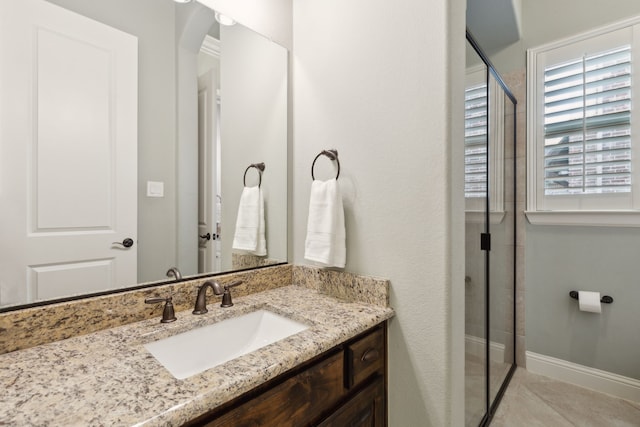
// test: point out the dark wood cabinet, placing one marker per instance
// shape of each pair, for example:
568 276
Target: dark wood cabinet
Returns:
364 357
345 386
292 402
365 409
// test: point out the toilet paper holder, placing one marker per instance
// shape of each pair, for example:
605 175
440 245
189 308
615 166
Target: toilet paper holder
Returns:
605 299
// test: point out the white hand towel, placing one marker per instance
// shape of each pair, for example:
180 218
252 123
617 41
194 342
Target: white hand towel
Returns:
325 242
261 247
249 235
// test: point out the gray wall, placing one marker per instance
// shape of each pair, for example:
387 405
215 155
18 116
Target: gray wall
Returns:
546 20
391 103
271 18
152 21
563 258
253 126
191 25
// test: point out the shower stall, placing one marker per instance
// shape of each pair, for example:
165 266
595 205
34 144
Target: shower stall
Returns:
490 179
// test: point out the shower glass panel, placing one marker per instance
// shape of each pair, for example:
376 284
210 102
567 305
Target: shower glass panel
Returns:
501 227
475 165
490 237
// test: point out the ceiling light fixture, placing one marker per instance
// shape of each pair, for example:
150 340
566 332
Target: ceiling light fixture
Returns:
182 1
224 19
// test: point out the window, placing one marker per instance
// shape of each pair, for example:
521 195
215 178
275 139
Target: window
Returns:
475 141
582 134
483 146
587 124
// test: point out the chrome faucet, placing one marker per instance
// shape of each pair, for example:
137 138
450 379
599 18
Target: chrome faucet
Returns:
173 271
201 299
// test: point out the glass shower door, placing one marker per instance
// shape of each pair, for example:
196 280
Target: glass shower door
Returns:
490 237
502 229
476 180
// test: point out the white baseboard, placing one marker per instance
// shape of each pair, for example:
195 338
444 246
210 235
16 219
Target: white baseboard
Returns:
476 347
584 376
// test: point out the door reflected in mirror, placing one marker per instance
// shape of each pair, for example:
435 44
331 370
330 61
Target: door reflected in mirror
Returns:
132 120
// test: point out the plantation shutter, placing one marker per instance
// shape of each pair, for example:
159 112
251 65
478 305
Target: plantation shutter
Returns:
587 124
475 141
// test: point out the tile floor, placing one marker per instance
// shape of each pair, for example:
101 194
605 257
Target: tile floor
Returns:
534 400
475 386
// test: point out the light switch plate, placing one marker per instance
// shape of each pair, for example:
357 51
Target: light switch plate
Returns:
155 189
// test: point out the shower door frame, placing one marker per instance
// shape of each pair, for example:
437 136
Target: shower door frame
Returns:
491 406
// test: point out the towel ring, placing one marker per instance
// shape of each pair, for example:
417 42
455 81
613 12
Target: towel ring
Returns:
259 166
331 154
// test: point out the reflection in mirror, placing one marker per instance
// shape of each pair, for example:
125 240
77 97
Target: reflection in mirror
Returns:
495 26
501 265
476 143
132 120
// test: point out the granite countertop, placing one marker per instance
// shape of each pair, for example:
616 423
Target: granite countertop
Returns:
109 378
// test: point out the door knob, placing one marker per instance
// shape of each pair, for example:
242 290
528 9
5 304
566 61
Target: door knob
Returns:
127 243
206 236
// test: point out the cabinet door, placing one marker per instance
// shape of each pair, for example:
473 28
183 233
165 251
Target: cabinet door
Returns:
365 409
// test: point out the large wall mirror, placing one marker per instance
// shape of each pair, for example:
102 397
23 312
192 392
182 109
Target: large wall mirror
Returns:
129 130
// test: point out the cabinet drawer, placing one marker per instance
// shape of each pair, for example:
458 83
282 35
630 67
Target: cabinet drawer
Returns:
365 357
293 403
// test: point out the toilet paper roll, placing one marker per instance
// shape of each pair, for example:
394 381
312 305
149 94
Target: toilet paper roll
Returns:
589 301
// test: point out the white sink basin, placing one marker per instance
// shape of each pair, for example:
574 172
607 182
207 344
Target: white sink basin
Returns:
195 351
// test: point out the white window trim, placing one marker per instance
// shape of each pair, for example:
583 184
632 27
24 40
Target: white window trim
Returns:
496 145
619 218
480 217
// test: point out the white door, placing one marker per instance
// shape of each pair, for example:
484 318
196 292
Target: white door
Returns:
207 172
68 153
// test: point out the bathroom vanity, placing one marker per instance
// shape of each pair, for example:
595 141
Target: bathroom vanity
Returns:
332 373
344 386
